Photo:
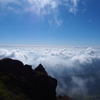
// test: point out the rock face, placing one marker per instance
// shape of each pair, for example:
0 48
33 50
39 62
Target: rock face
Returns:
40 68
64 97
35 84
8 64
22 82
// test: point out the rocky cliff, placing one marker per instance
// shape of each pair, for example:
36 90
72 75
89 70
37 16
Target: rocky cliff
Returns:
21 82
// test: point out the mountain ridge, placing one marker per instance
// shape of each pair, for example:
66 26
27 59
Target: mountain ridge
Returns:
21 82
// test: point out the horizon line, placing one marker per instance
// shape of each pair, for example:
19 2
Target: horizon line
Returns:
23 45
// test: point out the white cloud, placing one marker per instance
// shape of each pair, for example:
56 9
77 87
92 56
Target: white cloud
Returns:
58 21
49 6
54 57
40 7
75 2
72 5
60 63
79 85
44 7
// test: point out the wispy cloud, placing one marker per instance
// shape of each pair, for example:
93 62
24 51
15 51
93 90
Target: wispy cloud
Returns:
72 5
14 10
40 7
43 6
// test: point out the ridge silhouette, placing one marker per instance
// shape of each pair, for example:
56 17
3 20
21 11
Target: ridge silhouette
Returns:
34 84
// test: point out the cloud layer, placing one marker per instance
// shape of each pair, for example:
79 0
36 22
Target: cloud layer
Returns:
62 63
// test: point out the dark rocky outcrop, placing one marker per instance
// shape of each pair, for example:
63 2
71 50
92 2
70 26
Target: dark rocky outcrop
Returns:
8 64
35 84
40 68
64 97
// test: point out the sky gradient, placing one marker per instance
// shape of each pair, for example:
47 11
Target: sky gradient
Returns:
50 22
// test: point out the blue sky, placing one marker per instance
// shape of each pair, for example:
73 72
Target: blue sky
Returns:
50 22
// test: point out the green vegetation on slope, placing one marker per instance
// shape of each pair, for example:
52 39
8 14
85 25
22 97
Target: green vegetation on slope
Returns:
9 89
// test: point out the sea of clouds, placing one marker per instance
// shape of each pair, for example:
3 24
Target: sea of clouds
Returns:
62 63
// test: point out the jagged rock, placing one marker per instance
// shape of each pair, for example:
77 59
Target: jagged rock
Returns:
35 84
40 68
8 64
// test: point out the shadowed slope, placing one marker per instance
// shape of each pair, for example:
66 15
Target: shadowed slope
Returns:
21 82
